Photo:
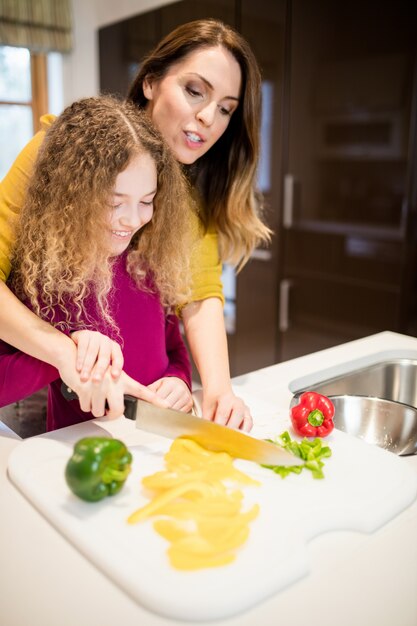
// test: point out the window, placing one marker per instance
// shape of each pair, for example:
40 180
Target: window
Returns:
23 99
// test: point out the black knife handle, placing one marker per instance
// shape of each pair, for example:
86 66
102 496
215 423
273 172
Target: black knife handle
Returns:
68 393
130 401
130 406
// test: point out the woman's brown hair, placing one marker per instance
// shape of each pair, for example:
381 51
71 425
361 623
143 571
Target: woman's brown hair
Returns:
226 175
62 252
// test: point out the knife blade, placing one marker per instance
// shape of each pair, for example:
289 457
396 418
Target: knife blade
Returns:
172 424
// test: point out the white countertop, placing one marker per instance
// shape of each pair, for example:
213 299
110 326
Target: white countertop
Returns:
357 578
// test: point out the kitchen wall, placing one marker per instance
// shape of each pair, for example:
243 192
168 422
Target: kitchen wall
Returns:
80 68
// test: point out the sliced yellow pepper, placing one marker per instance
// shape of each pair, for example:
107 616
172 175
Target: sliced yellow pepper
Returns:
206 522
158 503
167 480
184 560
170 530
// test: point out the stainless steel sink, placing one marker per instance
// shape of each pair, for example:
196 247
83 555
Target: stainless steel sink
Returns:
384 423
377 403
392 380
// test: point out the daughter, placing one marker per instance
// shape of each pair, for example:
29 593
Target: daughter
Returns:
99 242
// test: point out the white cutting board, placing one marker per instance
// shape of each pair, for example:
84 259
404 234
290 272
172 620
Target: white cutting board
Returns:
364 488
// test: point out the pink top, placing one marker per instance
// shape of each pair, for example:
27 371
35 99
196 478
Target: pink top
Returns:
152 348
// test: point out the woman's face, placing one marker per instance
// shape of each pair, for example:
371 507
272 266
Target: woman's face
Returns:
132 202
193 103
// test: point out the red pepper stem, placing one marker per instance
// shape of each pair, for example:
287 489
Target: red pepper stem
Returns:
315 418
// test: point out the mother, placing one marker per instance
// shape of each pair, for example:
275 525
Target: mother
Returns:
201 87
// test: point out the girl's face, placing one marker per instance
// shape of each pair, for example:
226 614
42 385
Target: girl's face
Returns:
193 103
132 201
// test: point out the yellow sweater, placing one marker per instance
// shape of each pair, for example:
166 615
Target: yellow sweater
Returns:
205 261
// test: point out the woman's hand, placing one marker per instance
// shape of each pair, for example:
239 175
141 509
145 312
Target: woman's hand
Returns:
228 410
206 335
174 391
95 354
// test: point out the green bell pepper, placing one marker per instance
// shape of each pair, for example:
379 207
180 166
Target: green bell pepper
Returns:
98 468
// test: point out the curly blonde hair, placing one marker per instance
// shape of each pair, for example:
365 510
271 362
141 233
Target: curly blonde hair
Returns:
62 254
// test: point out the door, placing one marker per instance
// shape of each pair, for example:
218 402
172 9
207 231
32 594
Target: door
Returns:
253 335
346 200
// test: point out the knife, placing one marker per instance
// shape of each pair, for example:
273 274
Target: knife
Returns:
172 424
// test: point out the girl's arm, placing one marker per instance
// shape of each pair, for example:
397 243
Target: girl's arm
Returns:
23 330
206 336
53 355
179 361
22 375
175 385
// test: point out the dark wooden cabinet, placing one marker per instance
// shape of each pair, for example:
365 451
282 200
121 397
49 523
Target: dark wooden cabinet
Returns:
172 15
338 167
346 205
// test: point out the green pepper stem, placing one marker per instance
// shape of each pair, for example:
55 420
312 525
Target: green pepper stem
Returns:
315 418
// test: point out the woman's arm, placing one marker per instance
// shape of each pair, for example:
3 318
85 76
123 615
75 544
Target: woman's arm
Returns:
206 336
27 332
12 194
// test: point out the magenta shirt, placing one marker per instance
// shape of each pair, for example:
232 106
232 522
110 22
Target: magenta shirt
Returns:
152 348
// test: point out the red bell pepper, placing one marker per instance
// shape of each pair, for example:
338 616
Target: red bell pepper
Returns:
313 416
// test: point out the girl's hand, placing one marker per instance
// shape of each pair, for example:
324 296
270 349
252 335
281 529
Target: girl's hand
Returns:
174 391
228 410
95 354
93 396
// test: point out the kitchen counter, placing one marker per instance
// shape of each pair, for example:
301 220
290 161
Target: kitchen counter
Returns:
366 579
